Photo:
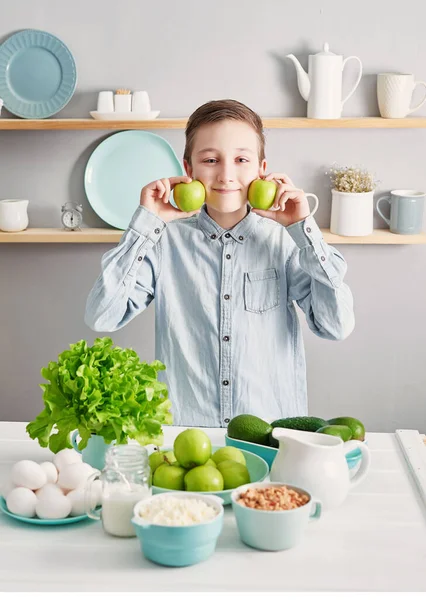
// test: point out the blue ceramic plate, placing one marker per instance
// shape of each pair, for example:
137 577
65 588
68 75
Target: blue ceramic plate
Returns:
120 167
256 466
37 74
36 520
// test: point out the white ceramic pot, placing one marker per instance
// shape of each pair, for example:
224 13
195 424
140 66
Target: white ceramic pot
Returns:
351 213
13 215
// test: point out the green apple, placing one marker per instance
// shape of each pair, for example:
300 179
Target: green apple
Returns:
228 453
159 457
189 196
261 193
192 448
234 474
203 479
210 463
170 477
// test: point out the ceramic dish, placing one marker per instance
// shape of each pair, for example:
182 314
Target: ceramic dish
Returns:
124 116
37 74
268 453
120 167
257 468
36 520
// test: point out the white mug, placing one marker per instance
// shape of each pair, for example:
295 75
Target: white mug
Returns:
140 102
314 210
13 215
394 93
105 102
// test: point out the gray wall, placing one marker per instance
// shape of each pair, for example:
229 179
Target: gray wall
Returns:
186 53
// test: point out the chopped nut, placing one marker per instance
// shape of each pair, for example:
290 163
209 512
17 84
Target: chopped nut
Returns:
272 498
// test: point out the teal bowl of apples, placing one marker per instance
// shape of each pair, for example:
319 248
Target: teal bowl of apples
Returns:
256 466
268 453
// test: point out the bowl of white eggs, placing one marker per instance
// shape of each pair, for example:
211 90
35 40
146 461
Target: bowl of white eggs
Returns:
50 492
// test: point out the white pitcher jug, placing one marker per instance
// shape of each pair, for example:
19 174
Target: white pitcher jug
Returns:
13 215
316 462
322 85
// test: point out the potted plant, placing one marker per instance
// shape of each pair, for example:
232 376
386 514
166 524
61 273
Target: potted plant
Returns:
352 206
104 394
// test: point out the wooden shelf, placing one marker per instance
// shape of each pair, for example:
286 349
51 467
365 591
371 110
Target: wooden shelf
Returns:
180 123
100 235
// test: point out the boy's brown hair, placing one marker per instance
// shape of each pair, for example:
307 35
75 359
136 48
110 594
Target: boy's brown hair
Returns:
220 110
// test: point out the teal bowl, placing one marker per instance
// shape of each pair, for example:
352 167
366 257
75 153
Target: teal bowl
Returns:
268 453
257 467
179 546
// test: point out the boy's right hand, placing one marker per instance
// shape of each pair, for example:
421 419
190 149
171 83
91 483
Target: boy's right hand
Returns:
155 198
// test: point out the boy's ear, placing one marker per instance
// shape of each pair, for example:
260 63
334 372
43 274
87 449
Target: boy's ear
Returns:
188 168
262 169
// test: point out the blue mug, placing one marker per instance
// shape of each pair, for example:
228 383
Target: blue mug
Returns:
94 453
406 211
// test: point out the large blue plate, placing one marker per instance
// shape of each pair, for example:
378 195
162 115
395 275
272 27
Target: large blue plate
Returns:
120 167
37 74
36 520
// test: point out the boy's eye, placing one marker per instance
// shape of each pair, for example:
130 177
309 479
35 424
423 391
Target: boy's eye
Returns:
210 160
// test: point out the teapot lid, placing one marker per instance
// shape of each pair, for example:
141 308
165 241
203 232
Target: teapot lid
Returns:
326 51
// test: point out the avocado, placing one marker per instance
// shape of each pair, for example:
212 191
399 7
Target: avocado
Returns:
301 423
357 428
341 431
249 429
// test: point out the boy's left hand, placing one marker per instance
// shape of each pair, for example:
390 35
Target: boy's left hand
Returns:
290 204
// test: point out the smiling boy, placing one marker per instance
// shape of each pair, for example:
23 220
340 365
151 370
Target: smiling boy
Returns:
225 279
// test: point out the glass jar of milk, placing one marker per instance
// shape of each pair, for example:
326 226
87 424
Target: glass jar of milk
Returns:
124 481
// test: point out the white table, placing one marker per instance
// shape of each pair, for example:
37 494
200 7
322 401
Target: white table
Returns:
375 541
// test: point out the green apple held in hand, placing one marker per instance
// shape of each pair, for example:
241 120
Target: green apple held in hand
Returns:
261 193
189 196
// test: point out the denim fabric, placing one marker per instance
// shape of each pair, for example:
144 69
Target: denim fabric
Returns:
225 320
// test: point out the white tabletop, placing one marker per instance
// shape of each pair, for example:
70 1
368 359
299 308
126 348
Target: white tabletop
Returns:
375 541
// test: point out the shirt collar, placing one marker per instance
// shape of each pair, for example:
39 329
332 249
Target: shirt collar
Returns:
240 232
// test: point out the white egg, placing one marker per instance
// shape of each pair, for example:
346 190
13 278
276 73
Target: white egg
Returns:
49 488
53 506
29 474
50 470
67 456
74 476
22 501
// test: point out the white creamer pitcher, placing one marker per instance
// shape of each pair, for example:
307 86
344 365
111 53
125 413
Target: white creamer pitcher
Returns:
316 462
13 215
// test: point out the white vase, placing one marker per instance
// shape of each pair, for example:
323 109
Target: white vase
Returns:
351 213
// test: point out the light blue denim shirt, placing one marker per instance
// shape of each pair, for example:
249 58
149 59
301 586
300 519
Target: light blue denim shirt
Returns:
225 322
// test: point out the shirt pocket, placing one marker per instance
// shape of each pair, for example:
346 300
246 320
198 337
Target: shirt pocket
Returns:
261 290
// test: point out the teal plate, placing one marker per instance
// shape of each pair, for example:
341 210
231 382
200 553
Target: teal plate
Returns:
256 466
120 167
37 74
36 520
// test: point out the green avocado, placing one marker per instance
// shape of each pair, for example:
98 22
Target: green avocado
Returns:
249 429
357 428
300 423
341 431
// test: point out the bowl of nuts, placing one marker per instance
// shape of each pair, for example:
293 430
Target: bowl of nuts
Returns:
273 516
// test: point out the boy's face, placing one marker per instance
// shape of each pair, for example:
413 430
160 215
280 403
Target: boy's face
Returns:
225 158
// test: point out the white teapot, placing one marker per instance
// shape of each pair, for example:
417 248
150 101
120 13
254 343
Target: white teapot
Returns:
316 462
322 85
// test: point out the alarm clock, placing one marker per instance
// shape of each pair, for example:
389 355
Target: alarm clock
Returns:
72 216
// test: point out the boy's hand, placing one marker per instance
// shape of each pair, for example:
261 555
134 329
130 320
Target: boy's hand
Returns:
290 204
155 198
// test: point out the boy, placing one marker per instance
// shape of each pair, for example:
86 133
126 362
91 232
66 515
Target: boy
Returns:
225 278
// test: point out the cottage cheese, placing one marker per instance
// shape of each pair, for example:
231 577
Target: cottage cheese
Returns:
175 511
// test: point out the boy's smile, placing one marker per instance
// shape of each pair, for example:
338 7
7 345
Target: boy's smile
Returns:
225 158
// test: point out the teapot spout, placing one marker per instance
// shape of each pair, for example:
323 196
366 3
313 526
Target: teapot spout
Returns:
302 78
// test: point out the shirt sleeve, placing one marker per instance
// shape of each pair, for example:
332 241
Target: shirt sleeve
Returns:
129 272
315 273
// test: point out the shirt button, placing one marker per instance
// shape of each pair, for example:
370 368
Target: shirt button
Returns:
228 256
241 237
227 235
156 230
308 230
226 420
213 236
323 258
139 258
226 338
225 382
226 296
